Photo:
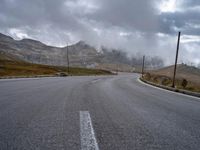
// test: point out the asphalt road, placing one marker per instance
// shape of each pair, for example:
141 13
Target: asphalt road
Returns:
119 112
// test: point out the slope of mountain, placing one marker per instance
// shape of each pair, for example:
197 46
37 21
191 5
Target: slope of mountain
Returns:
182 70
5 38
11 66
190 73
187 77
33 51
80 54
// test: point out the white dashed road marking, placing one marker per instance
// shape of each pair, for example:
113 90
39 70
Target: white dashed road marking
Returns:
88 140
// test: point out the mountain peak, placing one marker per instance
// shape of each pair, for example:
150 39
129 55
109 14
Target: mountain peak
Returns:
31 41
83 43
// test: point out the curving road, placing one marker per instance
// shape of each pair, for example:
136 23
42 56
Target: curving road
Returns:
105 113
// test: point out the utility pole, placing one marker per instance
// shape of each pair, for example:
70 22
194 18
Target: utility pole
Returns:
176 59
67 60
143 66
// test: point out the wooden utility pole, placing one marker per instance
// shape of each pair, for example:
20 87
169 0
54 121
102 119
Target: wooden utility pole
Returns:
176 59
67 60
143 66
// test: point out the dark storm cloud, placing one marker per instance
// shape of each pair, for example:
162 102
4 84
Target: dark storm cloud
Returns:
137 14
185 21
191 3
131 15
40 19
140 15
36 13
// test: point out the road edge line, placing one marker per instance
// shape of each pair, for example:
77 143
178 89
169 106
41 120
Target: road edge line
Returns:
167 90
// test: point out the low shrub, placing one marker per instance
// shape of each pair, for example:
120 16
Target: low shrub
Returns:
147 76
184 83
165 81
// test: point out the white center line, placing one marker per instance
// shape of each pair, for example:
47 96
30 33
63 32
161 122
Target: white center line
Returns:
88 140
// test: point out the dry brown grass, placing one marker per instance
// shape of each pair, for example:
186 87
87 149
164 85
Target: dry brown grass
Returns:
13 67
164 77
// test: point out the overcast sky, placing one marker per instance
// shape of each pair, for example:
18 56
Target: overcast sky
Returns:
136 26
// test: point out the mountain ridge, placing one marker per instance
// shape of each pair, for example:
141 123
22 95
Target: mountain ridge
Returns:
37 52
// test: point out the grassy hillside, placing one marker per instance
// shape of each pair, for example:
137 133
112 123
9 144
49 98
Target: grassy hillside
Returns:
164 76
183 71
11 66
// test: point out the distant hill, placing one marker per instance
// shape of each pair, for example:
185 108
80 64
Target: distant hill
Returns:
183 71
187 77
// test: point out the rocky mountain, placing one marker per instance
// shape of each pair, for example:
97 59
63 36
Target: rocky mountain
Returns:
80 54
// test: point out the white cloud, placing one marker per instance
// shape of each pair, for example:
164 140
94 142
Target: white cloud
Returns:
190 39
125 34
170 6
18 33
81 6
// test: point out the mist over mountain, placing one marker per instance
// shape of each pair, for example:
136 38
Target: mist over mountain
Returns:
80 54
